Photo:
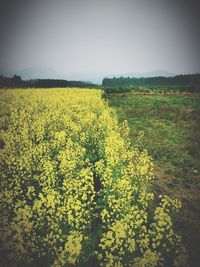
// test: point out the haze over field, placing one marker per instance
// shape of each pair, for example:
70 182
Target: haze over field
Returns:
89 40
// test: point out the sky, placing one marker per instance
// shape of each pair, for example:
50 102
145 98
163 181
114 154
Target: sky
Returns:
100 36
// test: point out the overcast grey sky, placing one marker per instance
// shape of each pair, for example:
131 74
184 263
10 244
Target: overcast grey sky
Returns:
99 36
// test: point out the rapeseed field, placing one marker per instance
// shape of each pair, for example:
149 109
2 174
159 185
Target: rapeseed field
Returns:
74 190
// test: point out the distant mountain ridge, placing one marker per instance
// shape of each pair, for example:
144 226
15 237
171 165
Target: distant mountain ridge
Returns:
48 73
158 73
98 78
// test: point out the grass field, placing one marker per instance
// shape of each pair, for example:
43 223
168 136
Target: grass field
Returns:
171 127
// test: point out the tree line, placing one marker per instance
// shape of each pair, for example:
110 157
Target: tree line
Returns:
17 82
186 80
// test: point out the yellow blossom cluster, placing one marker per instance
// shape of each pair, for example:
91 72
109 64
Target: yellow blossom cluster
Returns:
73 189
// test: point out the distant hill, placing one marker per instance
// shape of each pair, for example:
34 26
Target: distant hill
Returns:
91 77
158 73
39 73
35 73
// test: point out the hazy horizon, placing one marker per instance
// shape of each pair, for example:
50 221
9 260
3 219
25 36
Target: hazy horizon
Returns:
98 37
